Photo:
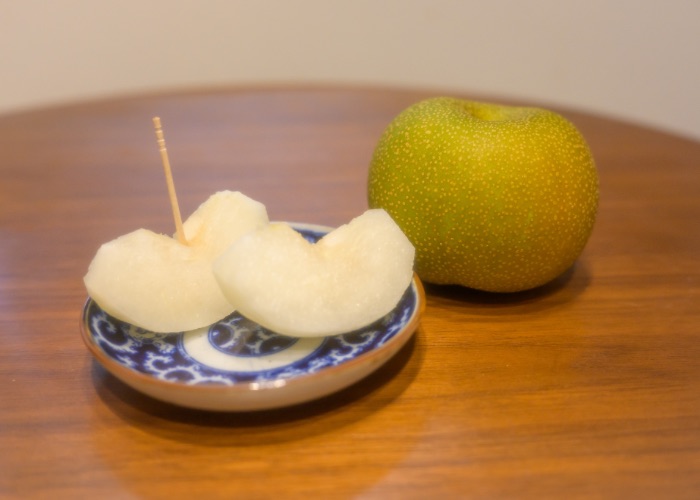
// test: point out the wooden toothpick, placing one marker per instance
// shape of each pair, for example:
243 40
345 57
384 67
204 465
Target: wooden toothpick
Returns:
179 231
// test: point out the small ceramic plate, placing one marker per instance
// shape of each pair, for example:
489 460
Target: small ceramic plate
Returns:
237 365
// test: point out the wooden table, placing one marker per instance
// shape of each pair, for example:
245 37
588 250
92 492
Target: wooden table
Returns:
589 387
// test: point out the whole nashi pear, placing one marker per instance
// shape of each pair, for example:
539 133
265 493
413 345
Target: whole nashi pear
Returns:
493 197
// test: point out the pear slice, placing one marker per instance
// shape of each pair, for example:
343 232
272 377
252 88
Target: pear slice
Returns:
350 278
155 282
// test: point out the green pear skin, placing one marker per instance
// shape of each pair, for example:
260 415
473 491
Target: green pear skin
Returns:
493 197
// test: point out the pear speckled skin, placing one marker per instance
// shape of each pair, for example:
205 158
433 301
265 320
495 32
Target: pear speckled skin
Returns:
495 198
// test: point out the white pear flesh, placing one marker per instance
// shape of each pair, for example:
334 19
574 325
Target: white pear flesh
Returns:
154 282
353 276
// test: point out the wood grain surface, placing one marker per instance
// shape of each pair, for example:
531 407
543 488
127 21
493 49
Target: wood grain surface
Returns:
586 388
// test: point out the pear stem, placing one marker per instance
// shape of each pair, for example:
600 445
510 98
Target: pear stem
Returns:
179 231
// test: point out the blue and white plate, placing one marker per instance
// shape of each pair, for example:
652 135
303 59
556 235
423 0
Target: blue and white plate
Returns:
237 365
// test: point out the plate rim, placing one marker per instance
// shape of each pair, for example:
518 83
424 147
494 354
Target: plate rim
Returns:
132 377
117 368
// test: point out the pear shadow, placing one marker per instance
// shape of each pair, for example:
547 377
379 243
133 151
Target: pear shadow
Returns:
218 429
565 288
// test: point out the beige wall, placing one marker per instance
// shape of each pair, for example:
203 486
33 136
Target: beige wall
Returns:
636 59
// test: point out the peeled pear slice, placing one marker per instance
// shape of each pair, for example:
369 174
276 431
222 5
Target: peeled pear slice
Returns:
152 281
350 278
